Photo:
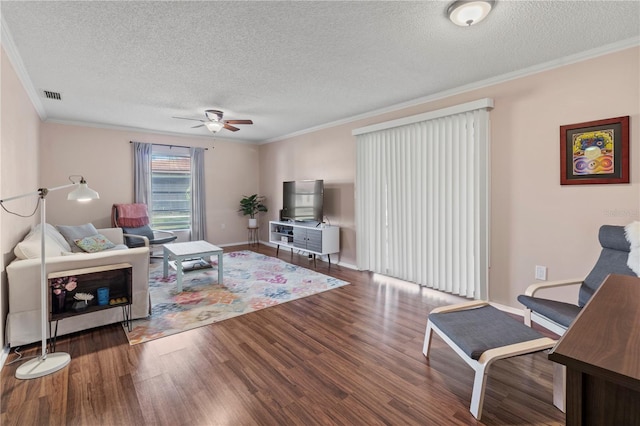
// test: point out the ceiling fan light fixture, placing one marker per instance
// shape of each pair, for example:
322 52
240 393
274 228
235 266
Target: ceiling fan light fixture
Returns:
466 13
214 126
213 114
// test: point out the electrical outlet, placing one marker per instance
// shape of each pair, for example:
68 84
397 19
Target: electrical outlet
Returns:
541 273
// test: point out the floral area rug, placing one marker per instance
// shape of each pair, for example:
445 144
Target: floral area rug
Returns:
252 281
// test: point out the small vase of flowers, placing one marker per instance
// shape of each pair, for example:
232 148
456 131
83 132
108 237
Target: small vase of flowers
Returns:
59 288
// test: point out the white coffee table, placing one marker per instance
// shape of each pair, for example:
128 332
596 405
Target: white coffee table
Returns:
182 251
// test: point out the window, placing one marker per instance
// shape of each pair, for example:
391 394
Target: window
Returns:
170 188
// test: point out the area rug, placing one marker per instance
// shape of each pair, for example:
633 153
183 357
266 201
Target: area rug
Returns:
252 281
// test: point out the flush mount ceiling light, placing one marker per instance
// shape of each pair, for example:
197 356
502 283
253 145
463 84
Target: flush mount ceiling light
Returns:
214 126
467 13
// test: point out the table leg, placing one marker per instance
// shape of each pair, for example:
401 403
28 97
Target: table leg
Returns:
559 386
179 273
220 268
165 263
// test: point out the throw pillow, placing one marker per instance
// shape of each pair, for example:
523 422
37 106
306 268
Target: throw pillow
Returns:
51 231
73 233
94 243
29 248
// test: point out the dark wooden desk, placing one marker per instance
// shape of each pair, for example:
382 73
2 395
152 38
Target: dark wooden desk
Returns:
601 351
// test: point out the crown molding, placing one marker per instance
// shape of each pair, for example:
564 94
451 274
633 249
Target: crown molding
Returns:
16 61
211 137
547 66
485 103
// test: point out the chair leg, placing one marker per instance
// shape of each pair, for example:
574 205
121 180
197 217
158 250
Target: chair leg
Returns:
477 395
527 317
427 339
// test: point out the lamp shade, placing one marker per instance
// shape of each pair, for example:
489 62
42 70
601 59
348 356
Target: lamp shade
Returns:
214 126
467 13
83 193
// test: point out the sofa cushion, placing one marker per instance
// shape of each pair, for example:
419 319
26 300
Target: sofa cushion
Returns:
56 235
73 233
29 247
94 243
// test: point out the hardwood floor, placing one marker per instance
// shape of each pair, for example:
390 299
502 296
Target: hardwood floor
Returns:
350 356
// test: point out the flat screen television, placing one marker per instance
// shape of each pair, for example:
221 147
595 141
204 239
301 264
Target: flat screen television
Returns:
302 200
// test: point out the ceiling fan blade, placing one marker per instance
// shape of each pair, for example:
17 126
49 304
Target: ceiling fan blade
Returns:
228 127
238 121
199 125
193 119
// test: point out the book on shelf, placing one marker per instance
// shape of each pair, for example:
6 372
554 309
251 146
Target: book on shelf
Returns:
192 264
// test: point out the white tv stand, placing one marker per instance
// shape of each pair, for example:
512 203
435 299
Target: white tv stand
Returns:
308 237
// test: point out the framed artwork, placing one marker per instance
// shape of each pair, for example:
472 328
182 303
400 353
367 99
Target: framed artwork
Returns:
595 152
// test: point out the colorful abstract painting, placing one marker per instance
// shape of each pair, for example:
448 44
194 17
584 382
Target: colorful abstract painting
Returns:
593 153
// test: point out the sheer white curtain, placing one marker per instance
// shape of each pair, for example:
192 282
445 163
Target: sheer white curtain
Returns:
422 199
142 172
198 193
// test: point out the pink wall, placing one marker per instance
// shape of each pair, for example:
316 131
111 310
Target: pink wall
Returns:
105 158
19 135
535 220
321 155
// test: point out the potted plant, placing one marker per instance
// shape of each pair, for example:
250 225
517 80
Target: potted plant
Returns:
250 206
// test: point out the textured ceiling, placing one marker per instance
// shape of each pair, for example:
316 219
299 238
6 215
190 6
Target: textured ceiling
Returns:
288 66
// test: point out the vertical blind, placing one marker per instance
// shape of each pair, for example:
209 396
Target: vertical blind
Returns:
422 199
170 188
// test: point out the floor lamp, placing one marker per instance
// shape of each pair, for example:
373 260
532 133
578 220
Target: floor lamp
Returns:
48 363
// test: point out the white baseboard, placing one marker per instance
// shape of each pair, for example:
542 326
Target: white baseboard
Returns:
322 258
241 243
348 266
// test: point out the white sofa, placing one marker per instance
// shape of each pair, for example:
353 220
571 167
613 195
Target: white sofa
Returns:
24 319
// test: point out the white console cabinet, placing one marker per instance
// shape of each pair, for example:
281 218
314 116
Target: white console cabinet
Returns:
309 238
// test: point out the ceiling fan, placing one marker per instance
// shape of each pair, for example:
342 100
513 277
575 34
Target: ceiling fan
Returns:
214 121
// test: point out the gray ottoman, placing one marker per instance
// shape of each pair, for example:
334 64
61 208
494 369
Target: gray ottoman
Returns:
481 334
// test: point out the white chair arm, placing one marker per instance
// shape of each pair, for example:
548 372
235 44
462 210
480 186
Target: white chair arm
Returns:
460 306
143 238
533 288
160 231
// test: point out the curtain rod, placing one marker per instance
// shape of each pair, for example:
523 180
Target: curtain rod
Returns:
176 146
